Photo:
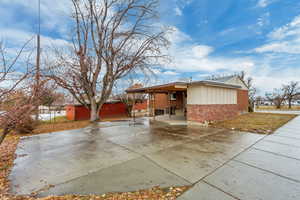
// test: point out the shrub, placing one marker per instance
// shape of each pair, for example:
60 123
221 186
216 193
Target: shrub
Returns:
26 126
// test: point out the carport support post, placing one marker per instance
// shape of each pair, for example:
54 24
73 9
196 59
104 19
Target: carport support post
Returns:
169 104
153 106
133 107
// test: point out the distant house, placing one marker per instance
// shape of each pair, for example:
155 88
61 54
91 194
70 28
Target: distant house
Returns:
199 101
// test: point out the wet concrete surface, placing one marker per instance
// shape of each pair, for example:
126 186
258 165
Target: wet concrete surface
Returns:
279 164
127 176
122 156
249 183
204 191
269 169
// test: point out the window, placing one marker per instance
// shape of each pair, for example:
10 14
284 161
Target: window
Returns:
173 97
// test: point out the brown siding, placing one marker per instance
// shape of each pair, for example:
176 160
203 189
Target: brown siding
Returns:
242 100
215 112
74 112
161 101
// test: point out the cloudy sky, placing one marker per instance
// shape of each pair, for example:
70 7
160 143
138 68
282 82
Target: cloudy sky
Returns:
261 37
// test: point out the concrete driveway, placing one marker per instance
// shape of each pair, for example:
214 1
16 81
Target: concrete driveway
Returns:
122 156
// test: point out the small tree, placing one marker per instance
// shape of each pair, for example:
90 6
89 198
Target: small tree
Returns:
251 89
16 113
131 99
112 38
277 97
291 90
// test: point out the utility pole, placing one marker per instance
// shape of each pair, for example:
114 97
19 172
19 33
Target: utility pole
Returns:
38 56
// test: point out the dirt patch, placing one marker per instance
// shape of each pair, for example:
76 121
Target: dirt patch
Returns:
264 123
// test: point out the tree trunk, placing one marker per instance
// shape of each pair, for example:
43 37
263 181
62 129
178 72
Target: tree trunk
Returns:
290 103
4 134
94 113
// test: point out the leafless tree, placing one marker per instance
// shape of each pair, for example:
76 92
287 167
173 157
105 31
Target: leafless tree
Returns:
251 89
111 39
130 99
277 97
13 73
291 90
10 77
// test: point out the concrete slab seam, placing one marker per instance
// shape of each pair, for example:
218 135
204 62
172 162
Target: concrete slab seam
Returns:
220 190
166 169
267 140
244 163
256 148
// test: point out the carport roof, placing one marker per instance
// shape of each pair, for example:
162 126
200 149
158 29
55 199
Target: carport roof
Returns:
180 86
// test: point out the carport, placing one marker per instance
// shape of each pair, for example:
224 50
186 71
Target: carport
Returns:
176 93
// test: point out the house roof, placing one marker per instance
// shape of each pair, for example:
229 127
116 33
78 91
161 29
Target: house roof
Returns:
223 79
180 86
226 79
174 86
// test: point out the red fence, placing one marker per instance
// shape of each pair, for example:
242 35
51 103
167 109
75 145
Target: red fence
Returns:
79 112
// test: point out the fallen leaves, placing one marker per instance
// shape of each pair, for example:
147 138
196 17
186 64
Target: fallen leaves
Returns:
7 156
155 193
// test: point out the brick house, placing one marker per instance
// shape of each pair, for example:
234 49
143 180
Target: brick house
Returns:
198 101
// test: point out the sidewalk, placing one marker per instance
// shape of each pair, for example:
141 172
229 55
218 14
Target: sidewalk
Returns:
293 112
269 169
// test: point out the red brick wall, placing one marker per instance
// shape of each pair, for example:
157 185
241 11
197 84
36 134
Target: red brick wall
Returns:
161 101
141 106
215 112
108 110
242 100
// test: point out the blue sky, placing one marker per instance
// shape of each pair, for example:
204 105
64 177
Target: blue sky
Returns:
261 37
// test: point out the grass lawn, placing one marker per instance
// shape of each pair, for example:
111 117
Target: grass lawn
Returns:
62 123
264 123
274 108
59 124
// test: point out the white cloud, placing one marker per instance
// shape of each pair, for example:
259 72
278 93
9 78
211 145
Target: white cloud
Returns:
17 38
198 60
263 19
263 3
170 73
178 11
285 39
266 82
53 12
188 56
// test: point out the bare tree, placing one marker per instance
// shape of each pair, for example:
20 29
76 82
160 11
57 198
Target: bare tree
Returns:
131 99
251 89
111 39
10 77
291 90
277 97
12 74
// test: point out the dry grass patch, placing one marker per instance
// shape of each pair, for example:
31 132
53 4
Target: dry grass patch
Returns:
264 123
59 124
284 108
